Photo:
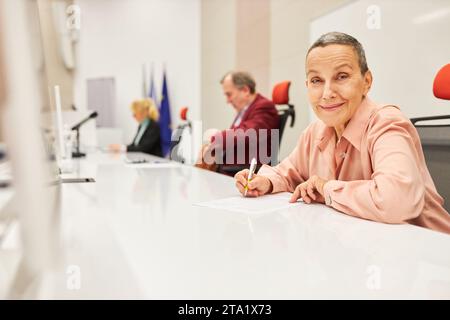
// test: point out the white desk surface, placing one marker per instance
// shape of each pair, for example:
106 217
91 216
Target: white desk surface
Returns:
135 233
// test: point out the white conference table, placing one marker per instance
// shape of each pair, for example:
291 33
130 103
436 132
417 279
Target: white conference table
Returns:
135 233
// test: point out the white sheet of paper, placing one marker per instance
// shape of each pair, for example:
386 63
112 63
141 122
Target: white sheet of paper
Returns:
264 204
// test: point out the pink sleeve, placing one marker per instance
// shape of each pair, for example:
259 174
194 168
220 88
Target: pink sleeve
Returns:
396 192
291 171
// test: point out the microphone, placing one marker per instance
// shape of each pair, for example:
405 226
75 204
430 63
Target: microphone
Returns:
77 153
93 115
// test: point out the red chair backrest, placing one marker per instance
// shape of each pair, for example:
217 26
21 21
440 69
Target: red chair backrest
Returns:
441 85
183 113
280 93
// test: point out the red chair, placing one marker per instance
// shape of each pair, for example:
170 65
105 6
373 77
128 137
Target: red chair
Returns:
441 85
435 138
441 90
280 97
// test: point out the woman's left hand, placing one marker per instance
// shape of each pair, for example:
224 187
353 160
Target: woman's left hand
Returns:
310 190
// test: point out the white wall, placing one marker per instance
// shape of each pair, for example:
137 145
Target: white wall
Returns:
404 54
218 57
290 26
118 36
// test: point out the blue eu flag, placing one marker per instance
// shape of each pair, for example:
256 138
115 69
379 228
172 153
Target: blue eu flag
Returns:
152 92
165 122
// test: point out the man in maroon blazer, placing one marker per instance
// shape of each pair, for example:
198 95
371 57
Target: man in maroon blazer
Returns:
254 131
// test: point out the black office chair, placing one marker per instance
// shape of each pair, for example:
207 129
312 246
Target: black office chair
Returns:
434 135
280 97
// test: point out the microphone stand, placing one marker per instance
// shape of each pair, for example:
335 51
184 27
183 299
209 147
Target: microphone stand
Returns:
176 139
77 153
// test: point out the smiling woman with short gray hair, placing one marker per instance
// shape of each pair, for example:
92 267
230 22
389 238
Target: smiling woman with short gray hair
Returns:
361 158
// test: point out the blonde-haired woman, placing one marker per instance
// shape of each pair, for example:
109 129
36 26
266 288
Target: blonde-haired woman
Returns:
147 138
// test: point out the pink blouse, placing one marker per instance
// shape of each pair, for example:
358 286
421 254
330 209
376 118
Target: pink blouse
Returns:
376 171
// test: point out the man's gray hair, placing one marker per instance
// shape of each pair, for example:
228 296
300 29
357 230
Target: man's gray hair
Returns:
344 39
241 79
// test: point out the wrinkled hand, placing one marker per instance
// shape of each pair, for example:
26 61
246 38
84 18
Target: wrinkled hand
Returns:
310 190
258 185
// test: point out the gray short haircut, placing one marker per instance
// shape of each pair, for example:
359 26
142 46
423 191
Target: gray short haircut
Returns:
241 79
344 39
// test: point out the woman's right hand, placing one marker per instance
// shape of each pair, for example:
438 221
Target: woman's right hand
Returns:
258 185
115 147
